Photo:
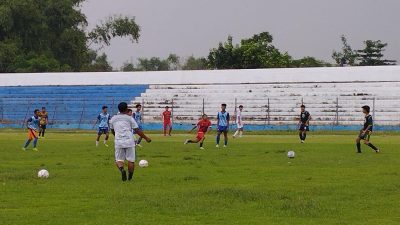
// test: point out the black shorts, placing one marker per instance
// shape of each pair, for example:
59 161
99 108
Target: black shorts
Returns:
43 127
304 127
366 136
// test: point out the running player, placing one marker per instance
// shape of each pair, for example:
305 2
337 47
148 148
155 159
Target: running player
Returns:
166 116
365 133
33 126
121 127
304 123
103 119
137 115
239 122
44 119
223 125
202 126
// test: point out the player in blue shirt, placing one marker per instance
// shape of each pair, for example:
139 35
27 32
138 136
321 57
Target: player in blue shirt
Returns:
137 115
222 125
33 127
103 119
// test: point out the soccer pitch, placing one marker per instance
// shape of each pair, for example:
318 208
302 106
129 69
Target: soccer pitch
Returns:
250 182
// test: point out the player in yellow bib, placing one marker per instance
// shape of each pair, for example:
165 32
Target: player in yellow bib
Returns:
44 119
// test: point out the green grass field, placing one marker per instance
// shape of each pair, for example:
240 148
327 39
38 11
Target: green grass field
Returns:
251 182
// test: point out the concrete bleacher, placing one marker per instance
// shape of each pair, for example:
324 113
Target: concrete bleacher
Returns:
68 106
277 104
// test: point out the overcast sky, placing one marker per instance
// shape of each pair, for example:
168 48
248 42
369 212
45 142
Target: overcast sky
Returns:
301 27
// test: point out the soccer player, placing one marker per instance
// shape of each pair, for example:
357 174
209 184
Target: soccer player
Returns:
121 127
44 119
166 116
137 115
202 126
304 123
223 125
103 119
366 131
239 122
33 126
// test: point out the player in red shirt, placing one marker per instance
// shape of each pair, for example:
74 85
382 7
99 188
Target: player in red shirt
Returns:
166 116
202 126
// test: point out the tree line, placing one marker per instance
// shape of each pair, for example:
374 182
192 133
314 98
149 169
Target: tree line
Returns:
52 36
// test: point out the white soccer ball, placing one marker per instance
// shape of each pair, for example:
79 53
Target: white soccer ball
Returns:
143 163
291 154
43 174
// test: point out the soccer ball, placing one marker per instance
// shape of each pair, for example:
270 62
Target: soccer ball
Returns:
291 154
143 163
43 174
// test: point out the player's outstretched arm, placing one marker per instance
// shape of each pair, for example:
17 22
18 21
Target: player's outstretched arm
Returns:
142 135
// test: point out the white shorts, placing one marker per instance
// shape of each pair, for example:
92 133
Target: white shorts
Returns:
239 126
122 154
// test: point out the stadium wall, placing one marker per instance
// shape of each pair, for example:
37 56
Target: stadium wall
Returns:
304 75
84 91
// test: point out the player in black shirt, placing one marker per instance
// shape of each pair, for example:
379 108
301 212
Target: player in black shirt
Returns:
304 123
366 132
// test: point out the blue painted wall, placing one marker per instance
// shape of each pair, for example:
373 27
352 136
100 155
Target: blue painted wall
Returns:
68 106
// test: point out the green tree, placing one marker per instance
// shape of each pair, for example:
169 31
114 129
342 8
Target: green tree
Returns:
174 62
347 55
372 54
308 62
153 64
50 35
252 53
127 67
193 63
100 64
225 56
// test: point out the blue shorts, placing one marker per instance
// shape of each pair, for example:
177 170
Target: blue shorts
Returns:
102 130
222 128
140 128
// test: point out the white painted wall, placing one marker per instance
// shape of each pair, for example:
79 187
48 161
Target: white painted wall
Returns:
333 74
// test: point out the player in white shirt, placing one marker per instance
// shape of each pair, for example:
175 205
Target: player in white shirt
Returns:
121 127
239 123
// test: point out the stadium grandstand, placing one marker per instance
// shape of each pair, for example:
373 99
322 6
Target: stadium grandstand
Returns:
271 97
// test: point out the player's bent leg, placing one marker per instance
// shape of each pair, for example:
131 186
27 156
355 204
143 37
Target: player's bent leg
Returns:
369 144
27 144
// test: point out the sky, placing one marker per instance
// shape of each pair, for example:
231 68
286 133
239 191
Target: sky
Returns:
300 27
